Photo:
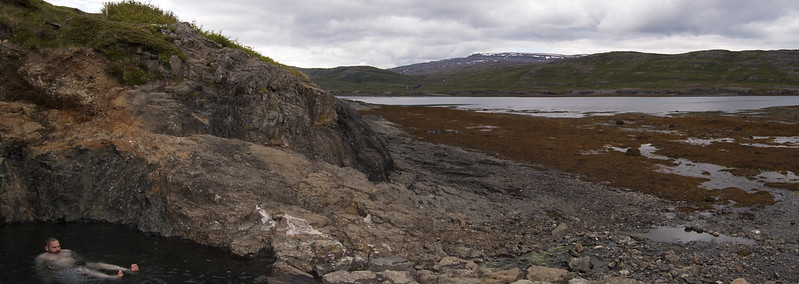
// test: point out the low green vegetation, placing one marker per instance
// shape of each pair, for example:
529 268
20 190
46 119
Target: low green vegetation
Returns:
231 43
124 32
706 69
363 79
130 11
544 258
118 33
746 72
33 23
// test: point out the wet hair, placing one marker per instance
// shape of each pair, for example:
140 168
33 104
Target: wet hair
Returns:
49 240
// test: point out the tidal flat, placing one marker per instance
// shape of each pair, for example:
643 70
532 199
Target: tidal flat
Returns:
635 151
689 198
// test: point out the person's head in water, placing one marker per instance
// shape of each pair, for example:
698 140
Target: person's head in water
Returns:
52 245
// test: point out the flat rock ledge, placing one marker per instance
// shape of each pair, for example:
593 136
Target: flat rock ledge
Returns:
456 270
448 270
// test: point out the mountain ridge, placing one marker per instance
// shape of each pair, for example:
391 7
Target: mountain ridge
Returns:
478 59
708 72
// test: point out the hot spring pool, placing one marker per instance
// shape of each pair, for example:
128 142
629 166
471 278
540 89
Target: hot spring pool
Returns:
162 260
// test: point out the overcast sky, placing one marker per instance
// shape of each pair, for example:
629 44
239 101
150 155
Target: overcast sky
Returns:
390 33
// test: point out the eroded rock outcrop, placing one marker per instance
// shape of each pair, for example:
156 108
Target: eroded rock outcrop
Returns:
225 150
226 93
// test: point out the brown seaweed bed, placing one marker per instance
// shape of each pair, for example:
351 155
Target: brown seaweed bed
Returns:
641 152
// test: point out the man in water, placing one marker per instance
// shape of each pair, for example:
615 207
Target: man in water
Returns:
59 260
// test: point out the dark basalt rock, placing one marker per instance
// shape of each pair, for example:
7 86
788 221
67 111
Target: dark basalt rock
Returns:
226 93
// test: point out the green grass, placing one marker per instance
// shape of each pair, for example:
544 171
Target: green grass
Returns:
119 42
130 11
544 258
33 22
39 25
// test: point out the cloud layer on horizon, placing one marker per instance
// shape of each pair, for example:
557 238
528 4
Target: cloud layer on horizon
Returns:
389 33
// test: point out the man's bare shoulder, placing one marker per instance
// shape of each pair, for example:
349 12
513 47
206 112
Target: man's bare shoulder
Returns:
65 253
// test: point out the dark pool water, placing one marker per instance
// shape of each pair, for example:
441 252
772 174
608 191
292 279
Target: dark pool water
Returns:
161 260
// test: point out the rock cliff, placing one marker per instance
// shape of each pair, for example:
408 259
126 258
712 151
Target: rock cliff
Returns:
220 148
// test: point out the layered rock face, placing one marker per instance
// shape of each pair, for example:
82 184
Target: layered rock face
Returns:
226 93
225 150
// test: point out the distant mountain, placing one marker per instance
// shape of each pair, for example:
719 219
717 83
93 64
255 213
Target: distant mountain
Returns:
710 72
478 60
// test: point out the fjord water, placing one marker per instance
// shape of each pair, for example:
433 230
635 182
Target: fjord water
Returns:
583 106
162 260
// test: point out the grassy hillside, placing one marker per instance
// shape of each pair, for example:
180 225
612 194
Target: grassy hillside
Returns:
755 70
362 79
122 32
702 72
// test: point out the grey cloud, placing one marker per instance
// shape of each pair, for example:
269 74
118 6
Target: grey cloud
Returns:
728 18
388 33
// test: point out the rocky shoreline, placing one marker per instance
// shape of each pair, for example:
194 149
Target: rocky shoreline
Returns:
543 225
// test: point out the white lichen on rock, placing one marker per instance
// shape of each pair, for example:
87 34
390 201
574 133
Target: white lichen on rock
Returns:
266 220
295 226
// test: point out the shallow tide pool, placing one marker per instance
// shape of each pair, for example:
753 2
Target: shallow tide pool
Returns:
681 235
718 177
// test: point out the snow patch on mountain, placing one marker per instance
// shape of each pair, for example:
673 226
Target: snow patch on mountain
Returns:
479 59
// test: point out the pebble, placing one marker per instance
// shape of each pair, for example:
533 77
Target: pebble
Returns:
740 281
560 230
578 247
546 274
579 280
671 257
582 264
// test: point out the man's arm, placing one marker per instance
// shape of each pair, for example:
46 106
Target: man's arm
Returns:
97 274
40 262
106 266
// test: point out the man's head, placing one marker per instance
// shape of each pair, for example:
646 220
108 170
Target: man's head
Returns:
52 245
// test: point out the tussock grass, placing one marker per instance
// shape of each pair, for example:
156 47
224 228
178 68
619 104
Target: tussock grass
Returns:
130 11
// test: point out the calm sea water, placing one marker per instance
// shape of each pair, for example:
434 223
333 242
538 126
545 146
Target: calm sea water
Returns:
583 106
161 260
